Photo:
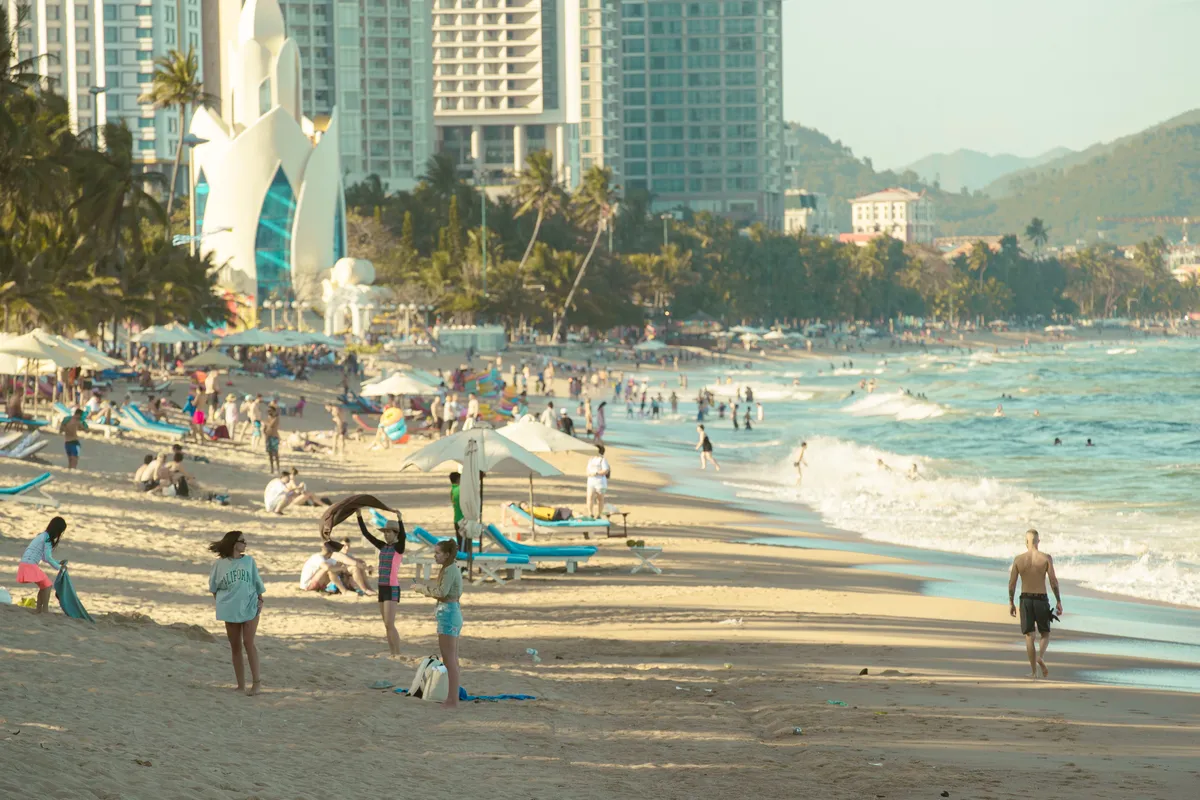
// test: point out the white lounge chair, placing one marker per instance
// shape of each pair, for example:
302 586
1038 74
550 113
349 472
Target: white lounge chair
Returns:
28 446
31 492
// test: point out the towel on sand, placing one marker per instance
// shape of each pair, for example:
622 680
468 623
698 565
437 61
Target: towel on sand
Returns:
463 697
340 511
65 592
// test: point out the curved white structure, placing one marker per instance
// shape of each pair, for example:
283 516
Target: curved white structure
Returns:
268 195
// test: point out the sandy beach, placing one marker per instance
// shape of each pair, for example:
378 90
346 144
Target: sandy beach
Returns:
715 676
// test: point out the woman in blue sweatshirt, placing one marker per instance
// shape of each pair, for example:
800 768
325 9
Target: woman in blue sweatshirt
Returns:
235 583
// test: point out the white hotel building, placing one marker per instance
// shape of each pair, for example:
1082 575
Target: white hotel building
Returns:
507 82
900 213
100 54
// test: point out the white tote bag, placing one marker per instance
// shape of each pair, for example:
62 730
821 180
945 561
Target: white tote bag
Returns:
430 683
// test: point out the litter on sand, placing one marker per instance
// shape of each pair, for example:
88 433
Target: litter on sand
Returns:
837 702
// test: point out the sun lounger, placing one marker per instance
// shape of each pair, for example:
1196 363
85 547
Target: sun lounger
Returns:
61 412
164 387
516 517
489 563
28 446
29 424
31 492
565 554
137 420
9 438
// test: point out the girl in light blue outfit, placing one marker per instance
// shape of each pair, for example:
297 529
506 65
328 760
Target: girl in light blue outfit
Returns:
447 590
239 591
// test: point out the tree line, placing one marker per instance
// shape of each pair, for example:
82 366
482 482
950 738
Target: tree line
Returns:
85 242
557 259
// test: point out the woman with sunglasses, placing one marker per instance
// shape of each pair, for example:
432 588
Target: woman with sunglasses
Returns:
239 590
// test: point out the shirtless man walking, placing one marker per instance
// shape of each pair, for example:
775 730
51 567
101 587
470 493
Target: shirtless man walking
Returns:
1034 567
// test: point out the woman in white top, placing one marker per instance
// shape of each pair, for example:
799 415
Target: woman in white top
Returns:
597 483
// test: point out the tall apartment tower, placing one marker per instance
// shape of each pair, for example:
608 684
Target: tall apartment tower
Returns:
507 82
373 60
100 54
600 85
703 106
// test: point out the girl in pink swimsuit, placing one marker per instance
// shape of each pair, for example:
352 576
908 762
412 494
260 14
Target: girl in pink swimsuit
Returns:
391 556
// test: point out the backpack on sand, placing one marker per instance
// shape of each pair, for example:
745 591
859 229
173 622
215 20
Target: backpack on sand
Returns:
430 682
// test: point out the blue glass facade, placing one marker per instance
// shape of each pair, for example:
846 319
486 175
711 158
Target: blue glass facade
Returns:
201 202
273 239
339 230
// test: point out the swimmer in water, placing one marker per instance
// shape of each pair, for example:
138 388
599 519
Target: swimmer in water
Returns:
800 462
999 412
1037 413
1057 441
879 463
1089 443
914 474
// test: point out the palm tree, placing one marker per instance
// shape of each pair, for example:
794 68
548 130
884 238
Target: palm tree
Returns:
593 206
176 84
538 189
1037 233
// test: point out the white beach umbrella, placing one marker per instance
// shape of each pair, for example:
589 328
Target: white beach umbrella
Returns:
254 337
212 358
96 354
41 346
397 383
496 451
538 438
649 345
470 497
775 336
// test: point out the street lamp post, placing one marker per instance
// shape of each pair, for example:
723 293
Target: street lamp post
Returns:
665 217
483 218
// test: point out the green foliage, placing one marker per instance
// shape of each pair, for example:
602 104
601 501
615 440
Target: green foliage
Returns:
82 243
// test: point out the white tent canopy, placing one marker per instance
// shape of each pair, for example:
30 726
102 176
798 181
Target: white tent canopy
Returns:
171 333
775 336
649 345
747 329
397 383
254 337
495 451
41 346
212 358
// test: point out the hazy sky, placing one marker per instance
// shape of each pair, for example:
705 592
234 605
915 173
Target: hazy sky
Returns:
898 80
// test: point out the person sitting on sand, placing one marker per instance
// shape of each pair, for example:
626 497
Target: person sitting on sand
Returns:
342 570
238 589
391 556
39 550
177 478
299 442
1033 567
146 476
447 591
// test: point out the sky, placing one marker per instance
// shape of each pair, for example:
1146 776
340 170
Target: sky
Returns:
897 80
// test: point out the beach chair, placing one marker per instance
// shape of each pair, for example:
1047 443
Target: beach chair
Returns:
62 412
31 492
137 420
26 447
8 439
517 518
419 552
11 423
161 388
569 555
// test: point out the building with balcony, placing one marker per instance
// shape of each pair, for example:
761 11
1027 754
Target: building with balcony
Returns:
807 212
901 213
702 106
507 82
369 58
99 54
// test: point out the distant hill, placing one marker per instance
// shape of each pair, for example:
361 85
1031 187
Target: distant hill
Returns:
1154 173
975 170
1015 182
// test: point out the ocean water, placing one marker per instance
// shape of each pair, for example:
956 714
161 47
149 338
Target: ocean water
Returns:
1120 516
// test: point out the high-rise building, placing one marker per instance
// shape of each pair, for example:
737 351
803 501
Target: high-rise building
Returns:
703 105
507 82
100 54
372 60
600 85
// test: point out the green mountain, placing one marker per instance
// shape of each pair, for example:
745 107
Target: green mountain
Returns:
975 170
1015 182
1154 173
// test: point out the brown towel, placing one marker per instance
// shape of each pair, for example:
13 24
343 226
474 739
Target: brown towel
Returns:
340 511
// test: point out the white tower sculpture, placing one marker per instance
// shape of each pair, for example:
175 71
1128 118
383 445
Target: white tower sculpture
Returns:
268 195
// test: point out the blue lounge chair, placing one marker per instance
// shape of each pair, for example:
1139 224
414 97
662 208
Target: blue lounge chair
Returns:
24 492
420 552
517 517
30 424
136 419
568 554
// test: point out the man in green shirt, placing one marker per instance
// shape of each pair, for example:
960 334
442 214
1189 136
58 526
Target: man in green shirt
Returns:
455 490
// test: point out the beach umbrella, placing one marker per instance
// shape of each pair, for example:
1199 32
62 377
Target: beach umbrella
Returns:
538 438
212 358
171 333
649 345
95 353
496 452
775 336
470 497
41 346
397 383
253 337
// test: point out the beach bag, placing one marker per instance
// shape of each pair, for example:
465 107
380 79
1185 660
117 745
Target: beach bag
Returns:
430 683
